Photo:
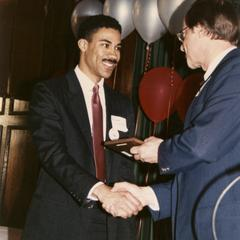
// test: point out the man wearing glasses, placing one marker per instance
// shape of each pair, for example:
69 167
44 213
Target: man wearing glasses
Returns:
205 157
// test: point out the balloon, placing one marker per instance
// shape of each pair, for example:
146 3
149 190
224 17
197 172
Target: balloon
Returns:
157 92
188 90
172 13
147 21
83 9
122 11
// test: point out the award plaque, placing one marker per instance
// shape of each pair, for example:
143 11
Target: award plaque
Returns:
123 145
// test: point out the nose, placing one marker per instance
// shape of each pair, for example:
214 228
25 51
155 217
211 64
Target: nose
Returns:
114 53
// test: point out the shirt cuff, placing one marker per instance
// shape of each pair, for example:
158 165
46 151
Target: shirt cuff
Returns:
90 196
153 202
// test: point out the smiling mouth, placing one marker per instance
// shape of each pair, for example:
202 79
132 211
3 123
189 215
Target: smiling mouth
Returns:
110 62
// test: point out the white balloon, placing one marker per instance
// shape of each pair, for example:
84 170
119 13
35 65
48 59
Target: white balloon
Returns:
83 9
172 13
147 21
122 11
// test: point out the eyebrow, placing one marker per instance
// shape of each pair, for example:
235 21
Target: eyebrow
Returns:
106 40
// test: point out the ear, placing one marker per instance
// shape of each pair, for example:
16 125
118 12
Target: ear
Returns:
201 31
82 44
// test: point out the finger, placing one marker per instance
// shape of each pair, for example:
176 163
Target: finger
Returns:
121 210
131 191
126 207
149 139
132 198
132 202
107 209
150 160
138 158
125 212
135 150
111 210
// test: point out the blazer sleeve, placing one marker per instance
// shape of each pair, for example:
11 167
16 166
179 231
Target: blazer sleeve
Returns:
163 192
212 130
48 135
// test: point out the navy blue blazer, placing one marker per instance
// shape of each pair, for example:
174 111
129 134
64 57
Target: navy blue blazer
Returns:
61 132
205 159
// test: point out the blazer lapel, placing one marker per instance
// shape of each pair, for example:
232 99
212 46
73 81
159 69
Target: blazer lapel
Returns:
108 153
108 110
78 107
196 106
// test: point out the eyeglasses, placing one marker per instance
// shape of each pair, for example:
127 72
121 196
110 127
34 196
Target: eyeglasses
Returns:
181 35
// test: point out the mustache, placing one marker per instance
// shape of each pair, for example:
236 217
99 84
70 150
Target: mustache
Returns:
111 60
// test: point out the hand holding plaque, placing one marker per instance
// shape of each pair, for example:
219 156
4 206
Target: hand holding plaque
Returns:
123 145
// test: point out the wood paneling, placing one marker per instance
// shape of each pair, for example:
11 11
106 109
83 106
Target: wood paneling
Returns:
10 233
36 41
18 163
7 13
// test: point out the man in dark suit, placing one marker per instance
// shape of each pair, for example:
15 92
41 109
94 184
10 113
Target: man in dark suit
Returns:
71 189
204 197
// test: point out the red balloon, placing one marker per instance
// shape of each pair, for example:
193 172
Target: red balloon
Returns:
188 90
157 92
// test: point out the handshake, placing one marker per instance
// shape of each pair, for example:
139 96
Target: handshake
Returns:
125 199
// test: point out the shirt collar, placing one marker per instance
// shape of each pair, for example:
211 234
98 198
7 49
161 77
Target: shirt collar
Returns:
86 82
216 61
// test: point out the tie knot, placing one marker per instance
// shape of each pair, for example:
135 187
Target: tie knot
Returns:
95 89
95 96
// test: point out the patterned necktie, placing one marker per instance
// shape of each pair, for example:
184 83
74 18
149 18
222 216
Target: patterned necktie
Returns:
98 135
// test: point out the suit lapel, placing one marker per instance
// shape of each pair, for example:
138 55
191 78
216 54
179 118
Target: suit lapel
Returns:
108 153
78 107
193 110
108 110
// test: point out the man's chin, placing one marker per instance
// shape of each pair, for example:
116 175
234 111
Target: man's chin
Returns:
192 66
107 74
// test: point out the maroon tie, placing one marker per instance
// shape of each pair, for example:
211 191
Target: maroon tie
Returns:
98 135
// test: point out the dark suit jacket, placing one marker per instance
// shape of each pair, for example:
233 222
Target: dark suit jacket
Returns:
61 132
205 159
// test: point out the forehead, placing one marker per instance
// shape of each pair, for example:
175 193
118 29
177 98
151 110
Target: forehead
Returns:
109 34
